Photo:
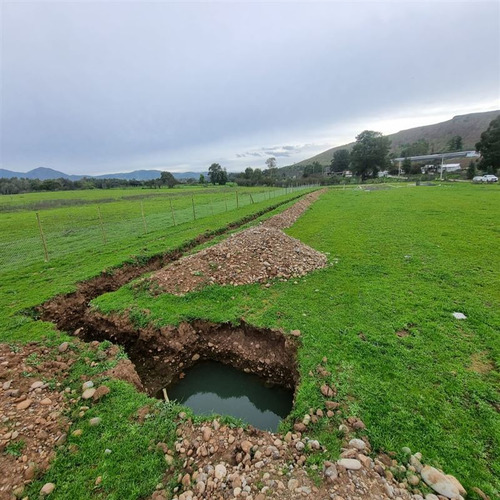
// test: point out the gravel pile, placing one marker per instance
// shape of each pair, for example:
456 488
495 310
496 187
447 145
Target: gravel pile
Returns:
255 255
227 463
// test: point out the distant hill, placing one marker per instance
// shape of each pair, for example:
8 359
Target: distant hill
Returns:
41 173
469 127
138 175
44 173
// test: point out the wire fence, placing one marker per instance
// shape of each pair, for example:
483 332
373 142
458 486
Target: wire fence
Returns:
30 237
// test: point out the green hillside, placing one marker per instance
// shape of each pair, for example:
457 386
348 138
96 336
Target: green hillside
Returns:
469 127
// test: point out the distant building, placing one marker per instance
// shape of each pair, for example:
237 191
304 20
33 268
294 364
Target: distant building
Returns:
450 167
347 173
447 167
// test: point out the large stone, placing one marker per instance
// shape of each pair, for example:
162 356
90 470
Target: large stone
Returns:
332 405
207 433
23 405
100 392
63 347
331 473
457 483
439 482
350 463
220 471
88 393
246 446
359 444
47 489
327 391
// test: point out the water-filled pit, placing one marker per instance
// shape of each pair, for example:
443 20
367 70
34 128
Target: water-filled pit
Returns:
211 387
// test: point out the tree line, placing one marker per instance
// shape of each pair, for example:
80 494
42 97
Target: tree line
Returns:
16 185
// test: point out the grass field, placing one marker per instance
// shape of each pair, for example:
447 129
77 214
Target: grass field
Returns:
402 261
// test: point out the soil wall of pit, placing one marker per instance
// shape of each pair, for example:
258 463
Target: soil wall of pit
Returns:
161 355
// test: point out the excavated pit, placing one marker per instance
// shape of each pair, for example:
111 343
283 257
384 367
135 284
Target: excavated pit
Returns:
162 357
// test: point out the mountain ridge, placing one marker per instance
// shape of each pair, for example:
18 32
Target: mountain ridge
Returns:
45 173
469 127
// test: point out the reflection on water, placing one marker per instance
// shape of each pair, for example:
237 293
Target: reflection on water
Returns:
212 387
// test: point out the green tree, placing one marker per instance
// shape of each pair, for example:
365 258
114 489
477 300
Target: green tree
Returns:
202 179
489 147
257 176
248 173
406 166
271 162
471 170
455 143
223 177
217 174
340 160
271 171
370 154
168 179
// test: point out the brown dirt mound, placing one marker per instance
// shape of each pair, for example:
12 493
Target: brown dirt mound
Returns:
254 255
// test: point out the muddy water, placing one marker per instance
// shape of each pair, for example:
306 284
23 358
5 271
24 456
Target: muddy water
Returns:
211 387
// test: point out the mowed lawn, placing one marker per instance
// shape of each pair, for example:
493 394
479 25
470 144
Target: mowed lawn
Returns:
402 260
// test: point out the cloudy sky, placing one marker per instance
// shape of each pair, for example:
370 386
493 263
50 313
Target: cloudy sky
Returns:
107 86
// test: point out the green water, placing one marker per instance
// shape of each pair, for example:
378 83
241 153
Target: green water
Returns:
211 387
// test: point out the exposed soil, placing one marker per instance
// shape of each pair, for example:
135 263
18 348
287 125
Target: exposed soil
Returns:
480 363
31 413
257 254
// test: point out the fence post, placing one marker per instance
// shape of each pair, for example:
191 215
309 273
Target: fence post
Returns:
194 213
237 201
173 214
44 243
251 198
211 207
102 225
225 201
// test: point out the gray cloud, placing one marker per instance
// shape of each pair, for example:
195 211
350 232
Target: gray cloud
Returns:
102 86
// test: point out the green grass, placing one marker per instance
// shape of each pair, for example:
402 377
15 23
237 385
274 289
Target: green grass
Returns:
27 281
401 260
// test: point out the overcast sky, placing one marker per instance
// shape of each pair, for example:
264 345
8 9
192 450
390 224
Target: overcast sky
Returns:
100 87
